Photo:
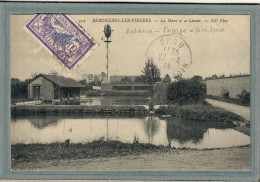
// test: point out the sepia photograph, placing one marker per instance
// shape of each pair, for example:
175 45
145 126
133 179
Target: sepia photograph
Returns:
130 92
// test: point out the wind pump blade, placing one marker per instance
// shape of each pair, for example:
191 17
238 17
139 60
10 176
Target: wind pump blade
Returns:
107 31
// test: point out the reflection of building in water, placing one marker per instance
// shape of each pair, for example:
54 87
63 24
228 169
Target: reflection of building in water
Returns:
40 123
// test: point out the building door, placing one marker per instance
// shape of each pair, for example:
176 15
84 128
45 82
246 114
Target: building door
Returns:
36 92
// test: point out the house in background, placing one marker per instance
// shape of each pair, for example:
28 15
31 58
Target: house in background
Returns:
49 87
124 85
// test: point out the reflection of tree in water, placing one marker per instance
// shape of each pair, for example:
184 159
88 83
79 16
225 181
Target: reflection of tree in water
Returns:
151 126
184 131
43 121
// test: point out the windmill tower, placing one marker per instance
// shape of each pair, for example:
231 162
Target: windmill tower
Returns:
107 31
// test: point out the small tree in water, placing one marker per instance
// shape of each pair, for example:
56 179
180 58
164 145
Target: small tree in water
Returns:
151 74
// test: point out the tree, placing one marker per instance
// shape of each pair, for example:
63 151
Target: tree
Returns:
151 74
177 77
90 78
166 79
15 81
83 82
138 79
18 88
125 80
103 75
185 91
34 74
97 80
27 80
53 72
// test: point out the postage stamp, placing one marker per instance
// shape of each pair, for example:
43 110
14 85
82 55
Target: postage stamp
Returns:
61 36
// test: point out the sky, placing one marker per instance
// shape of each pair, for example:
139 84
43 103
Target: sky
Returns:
178 44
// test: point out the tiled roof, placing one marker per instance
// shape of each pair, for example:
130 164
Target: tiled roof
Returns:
62 81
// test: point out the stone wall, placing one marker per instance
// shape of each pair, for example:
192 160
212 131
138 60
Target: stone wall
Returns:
234 85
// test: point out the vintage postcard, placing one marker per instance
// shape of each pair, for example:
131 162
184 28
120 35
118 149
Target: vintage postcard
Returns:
160 92
129 95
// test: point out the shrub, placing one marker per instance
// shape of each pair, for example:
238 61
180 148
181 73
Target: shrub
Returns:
171 109
225 93
186 91
244 97
18 88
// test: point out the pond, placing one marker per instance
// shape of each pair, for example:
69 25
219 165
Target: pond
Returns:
154 130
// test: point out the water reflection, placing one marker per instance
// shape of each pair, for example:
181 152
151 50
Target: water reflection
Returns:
37 122
184 131
151 127
153 130
201 135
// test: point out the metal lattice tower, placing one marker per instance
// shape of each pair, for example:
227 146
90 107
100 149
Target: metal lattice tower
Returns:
107 31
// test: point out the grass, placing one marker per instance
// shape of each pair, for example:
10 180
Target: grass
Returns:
67 150
199 113
228 100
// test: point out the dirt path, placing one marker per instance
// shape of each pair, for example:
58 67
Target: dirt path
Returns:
237 109
220 159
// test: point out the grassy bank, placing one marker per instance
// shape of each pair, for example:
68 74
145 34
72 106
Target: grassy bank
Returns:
234 158
199 112
67 150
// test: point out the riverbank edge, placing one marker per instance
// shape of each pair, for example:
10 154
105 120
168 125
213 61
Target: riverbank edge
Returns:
96 149
68 150
193 112
235 158
17 110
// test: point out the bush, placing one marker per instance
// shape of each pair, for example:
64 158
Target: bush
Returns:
244 97
18 89
186 91
225 93
165 110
